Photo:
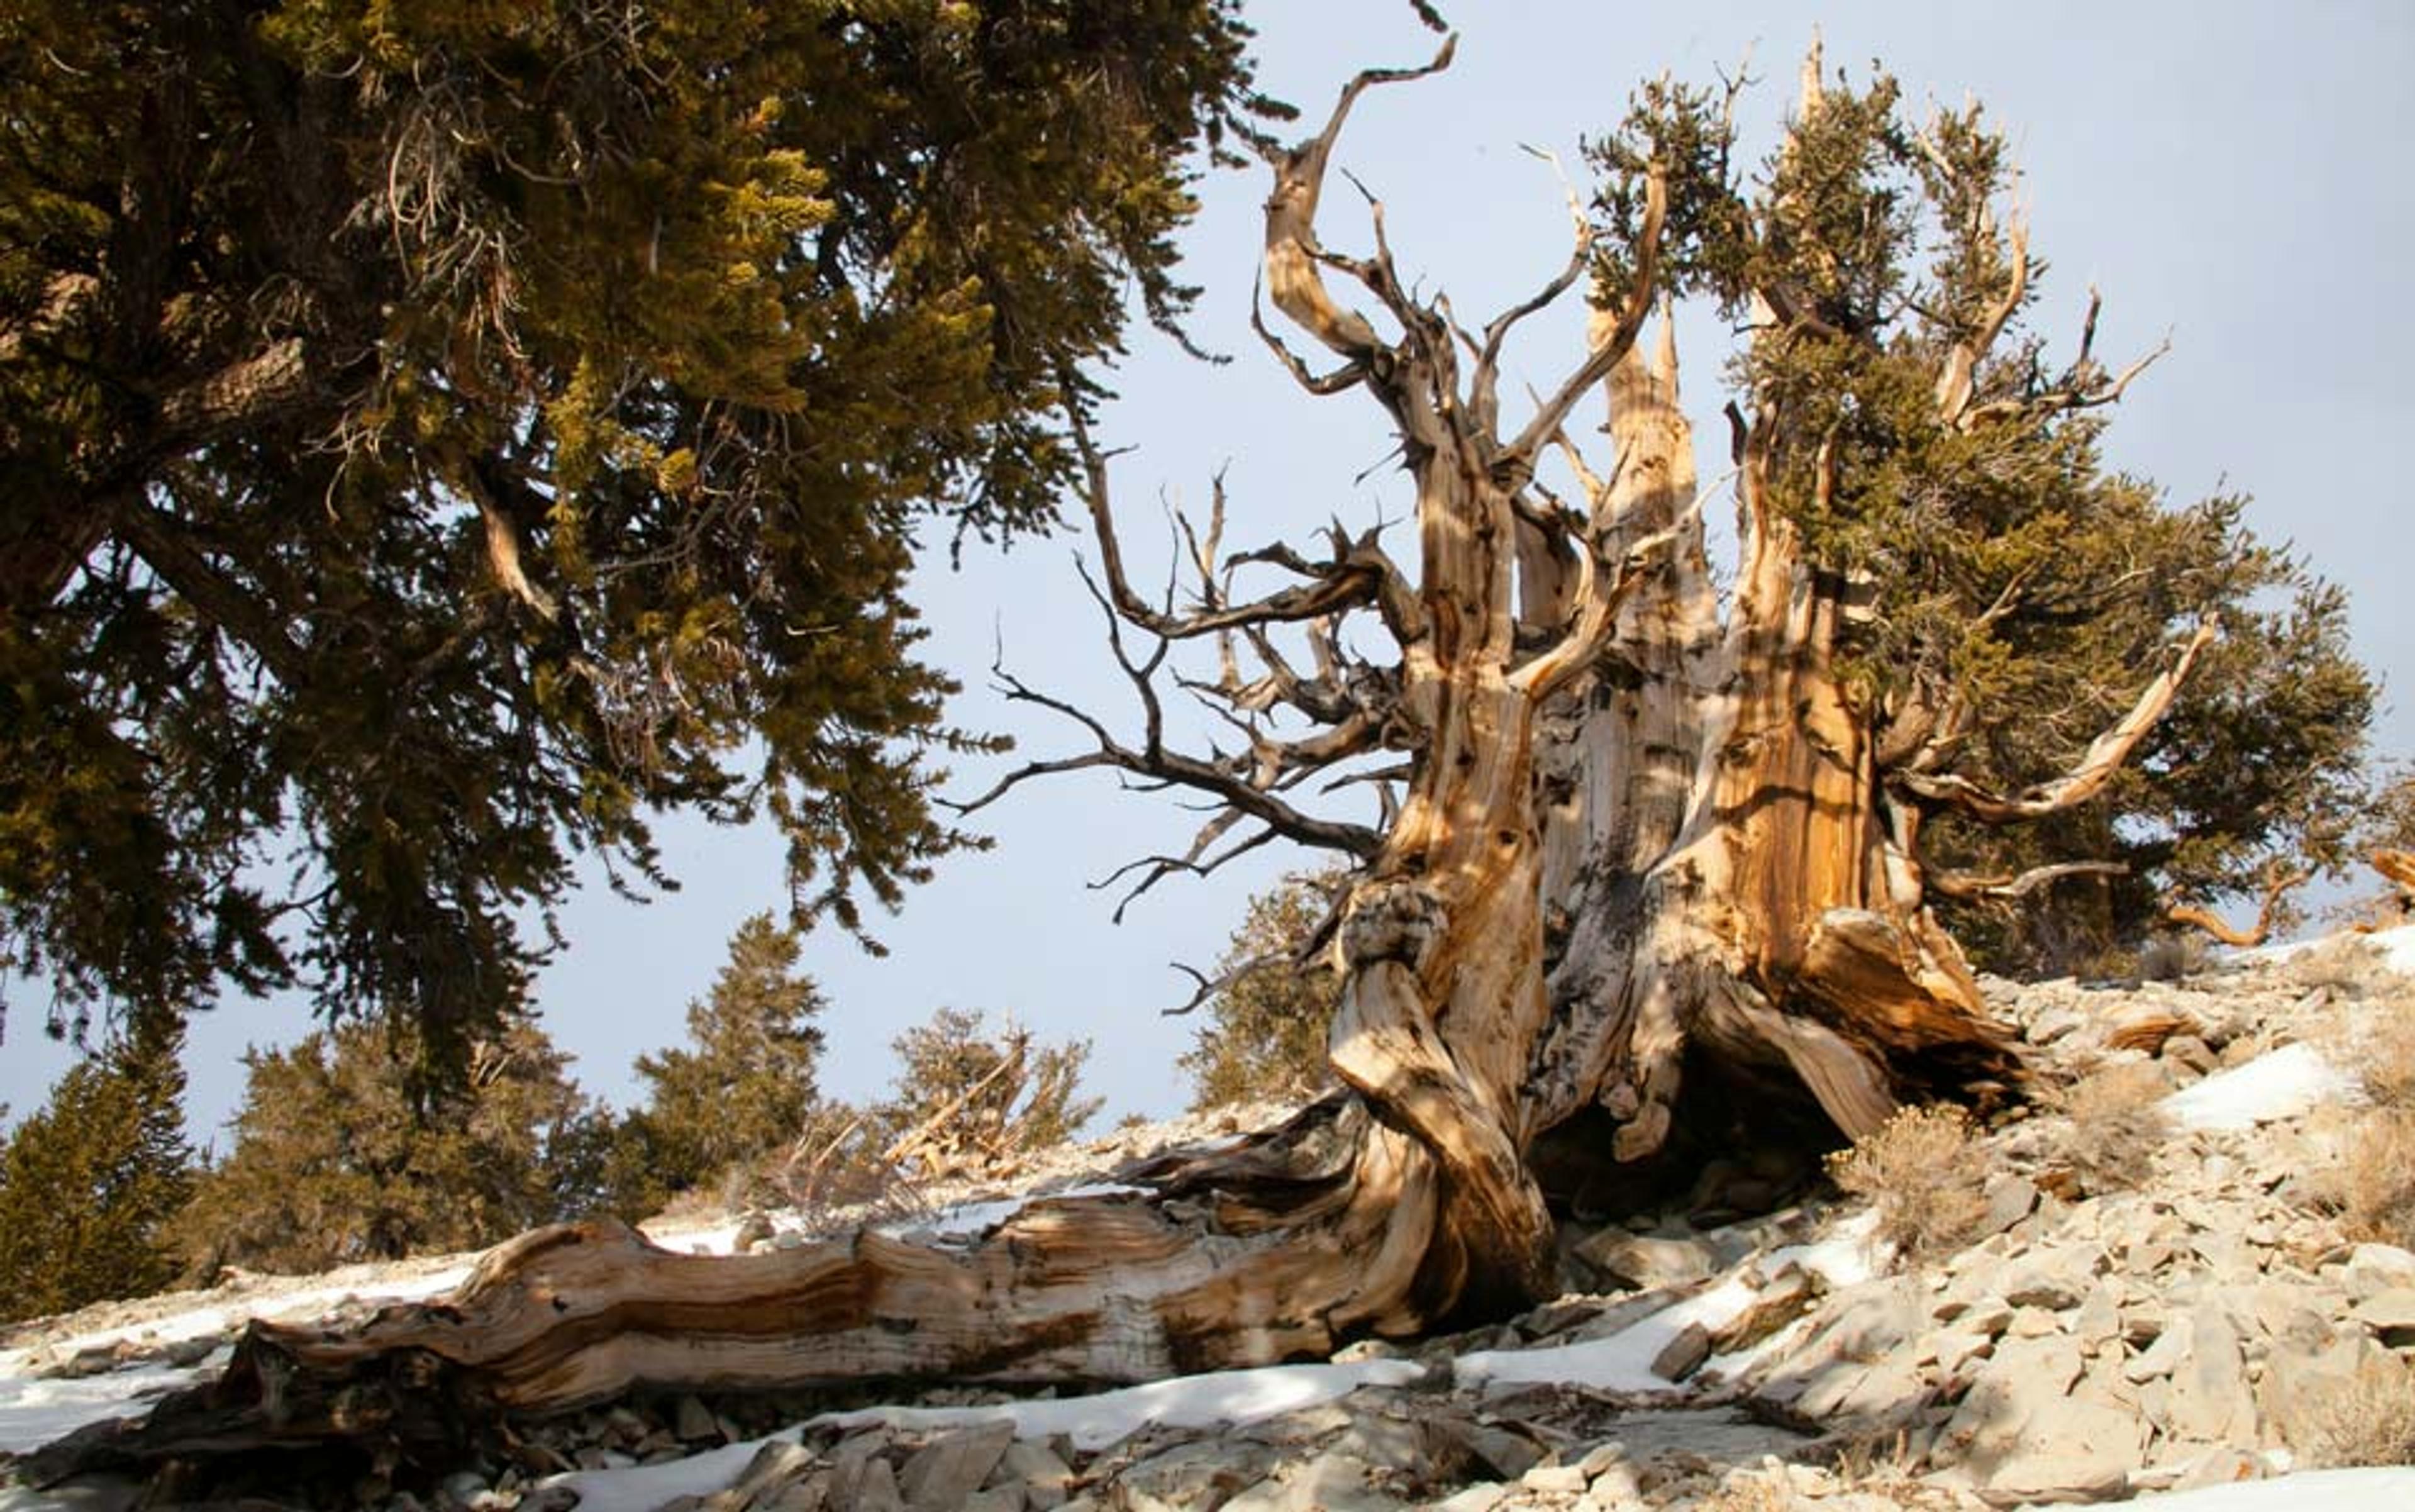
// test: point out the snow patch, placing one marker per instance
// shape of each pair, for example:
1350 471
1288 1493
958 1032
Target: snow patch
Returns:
1623 1361
2378 1489
34 1413
1093 1423
2287 1083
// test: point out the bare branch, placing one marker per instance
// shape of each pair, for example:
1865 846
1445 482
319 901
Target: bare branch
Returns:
1344 583
2279 882
2007 885
1612 344
2075 395
1292 258
2096 767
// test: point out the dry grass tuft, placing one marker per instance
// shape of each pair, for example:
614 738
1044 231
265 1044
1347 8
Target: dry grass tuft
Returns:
2369 1419
2374 1187
1924 1172
2345 965
2174 956
1746 1493
2386 1055
2117 1123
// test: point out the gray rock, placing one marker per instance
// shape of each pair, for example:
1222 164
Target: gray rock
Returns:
2035 1427
2390 1314
1643 1262
1684 1354
875 1490
2053 1276
1782 1300
1043 1473
2211 1400
1188 1477
1507 1454
2009 1198
943 1471
693 1422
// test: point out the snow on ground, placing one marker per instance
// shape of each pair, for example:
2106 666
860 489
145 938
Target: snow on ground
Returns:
35 1409
302 1300
2382 1489
1093 1422
1623 1360
33 1412
1096 1421
2287 1083
2395 946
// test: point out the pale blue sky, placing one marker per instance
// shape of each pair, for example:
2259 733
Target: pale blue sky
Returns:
2230 173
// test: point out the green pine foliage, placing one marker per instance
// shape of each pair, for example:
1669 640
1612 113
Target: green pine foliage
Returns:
1267 1023
333 1162
2007 590
743 1088
441 434
91 1185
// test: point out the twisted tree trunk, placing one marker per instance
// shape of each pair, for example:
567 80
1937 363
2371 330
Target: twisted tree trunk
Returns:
1649 885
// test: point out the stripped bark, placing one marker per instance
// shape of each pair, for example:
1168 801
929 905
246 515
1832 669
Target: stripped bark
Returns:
1644 872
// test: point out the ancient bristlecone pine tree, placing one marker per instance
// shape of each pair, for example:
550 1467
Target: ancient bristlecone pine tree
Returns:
1648 876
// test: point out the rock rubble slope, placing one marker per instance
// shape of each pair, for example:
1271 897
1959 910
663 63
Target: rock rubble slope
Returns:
2148 1284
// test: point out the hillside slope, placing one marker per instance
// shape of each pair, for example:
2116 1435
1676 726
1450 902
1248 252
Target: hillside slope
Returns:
2170 1276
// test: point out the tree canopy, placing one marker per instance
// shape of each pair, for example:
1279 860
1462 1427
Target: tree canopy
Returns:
439 436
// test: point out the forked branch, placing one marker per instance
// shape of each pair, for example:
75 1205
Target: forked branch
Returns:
2104 757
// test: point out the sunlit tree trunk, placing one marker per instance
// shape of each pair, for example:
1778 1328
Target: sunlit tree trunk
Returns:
1645 878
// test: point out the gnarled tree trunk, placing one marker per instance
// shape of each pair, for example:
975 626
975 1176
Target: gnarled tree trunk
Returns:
1647 871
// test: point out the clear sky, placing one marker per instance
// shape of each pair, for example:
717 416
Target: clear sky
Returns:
2231 174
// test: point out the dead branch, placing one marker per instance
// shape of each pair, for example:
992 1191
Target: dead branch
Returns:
2007 885
1292 258
2280 881
2102 758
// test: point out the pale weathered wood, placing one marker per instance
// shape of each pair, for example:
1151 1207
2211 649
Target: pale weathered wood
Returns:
1644 877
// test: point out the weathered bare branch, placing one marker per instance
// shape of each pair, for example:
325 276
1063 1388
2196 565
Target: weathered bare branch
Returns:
2096 767
1346 582
1292 257
2280 880
1610 346
2007 885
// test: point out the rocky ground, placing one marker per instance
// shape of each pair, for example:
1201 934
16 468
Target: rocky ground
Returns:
2145 1283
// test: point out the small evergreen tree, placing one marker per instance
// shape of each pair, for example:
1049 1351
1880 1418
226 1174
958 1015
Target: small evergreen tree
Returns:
333 1164
744 1086
1273 1005
971 1101
90 1183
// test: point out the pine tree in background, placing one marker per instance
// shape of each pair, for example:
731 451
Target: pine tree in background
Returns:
744 1086
970 1103
1272 1004
90 1185
332 1164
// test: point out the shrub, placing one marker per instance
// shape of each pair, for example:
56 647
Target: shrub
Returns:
1924 1173
2366 1419
2374 1188
2116 1124
972 1103
336 1160
743 1086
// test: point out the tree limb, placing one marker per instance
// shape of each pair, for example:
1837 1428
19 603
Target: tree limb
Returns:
2280 881
1972 885
2102 758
